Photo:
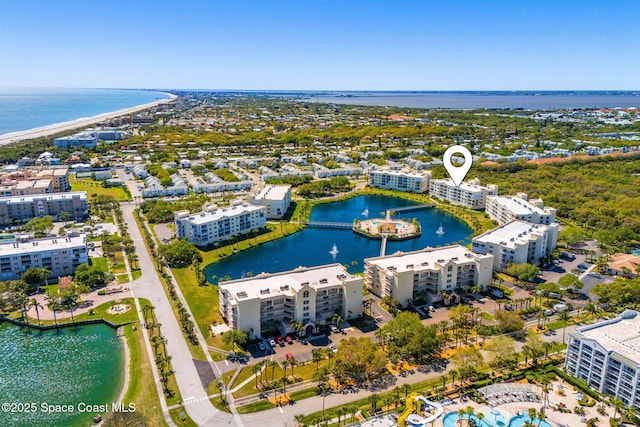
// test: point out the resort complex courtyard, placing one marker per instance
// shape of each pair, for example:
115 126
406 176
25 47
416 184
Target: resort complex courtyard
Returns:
509 405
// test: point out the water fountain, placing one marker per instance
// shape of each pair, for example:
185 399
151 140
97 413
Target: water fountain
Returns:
440 230
334 250
365 213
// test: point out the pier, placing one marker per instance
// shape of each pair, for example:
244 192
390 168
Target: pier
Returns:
383 245
411 208
334 225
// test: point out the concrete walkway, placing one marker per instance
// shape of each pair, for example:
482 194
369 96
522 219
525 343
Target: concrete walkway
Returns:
149 286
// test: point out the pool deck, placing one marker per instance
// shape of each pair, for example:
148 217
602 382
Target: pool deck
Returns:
553 416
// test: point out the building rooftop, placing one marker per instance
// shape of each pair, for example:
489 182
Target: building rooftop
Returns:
518 206
273 192
464 186
52 196
269 285
511 233
41 245
620 334
426 258
399 173
219 213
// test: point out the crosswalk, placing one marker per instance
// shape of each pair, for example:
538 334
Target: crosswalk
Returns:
191 400
238 420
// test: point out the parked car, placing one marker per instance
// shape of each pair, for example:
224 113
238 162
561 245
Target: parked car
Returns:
261 346
334 329
289 356
280 341
289 339
333 348
548 312
272 342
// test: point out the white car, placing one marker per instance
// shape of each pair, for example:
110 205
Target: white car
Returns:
333 348
272 342
334 329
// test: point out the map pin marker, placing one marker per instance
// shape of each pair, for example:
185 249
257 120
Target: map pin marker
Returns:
457 173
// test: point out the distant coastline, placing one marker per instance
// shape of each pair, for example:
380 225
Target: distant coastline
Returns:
525 100
43 131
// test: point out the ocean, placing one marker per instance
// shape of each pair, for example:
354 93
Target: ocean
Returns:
28 108
527 100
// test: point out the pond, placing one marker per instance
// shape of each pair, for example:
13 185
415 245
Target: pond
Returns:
315 246
59 367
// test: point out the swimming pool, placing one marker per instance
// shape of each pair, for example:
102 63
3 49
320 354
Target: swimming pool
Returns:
519 420
450 419
492 420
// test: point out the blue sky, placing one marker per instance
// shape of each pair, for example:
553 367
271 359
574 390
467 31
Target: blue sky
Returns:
322 45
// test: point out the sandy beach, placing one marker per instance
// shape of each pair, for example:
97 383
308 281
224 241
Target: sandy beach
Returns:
39 132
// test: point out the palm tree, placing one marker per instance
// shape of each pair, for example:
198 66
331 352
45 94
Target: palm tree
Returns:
317 356
299 420
373 400
533 414
35 304
321 376
254 370
453 372
337 320
480 417
53 304
292 362
541 417
617 405
273 365
406 389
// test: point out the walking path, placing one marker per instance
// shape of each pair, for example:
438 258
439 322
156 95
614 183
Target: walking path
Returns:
149 286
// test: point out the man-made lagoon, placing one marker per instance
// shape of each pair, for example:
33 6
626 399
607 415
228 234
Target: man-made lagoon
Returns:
59 367
314 246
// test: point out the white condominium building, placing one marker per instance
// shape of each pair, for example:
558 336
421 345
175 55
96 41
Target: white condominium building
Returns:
401 181
215 224
517 242
276 198
606 356
505 209
309 296
404 275
23 208
469 194
59 255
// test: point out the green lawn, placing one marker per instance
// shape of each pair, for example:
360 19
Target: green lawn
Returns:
100 262
180 418
100 312
202 300
142 390
122 278
94 188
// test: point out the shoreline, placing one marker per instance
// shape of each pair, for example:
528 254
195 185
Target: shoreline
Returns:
43 131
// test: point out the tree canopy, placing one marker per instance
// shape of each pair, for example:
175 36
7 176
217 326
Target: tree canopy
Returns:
180 253
524 271
359 359
408 339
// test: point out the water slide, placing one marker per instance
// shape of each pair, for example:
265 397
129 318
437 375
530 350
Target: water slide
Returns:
409 418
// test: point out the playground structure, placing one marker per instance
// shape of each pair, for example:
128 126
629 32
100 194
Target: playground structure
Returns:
416 416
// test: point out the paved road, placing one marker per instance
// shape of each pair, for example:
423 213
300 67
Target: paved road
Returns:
148 286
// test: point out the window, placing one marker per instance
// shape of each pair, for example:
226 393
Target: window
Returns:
305 294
